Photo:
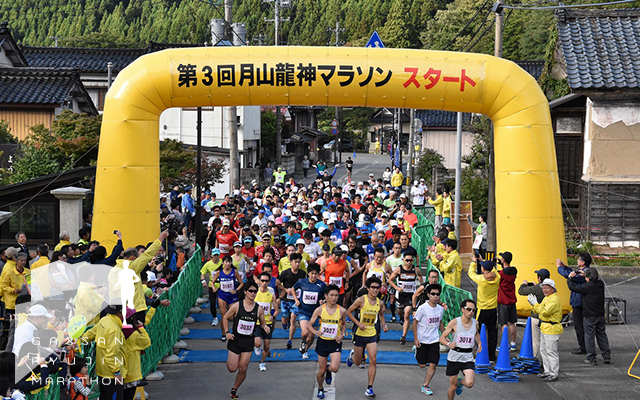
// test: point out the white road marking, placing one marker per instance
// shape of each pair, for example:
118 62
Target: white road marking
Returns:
625 281
329 390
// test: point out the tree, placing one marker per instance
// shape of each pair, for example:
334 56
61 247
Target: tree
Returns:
428 159
268 139
5 133
72 141
397 30
475 175
178 166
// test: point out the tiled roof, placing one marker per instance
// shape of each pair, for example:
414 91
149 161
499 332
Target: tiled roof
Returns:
91 60
434 119
83 59
10 47
601 48
43 86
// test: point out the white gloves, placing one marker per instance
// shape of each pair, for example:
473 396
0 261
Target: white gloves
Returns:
533 300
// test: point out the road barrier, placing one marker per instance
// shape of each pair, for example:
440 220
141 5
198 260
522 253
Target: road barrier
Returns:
421 238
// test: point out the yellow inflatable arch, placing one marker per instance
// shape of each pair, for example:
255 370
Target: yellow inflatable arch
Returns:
529 216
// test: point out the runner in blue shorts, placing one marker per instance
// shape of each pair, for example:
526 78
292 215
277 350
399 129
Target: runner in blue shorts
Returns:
288 310
310 292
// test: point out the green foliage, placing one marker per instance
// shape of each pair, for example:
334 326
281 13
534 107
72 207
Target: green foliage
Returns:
71 142
475 175
428 159
354 124
178 166
5 133
98 40
268 139
552 86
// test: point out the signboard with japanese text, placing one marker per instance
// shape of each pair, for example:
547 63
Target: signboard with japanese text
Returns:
294 79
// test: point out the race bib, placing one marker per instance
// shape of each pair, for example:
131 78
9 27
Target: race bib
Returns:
408 286
465 341
266 307
433 321
224 248
227 286
369 319
335 280
246 327
310 298
329 330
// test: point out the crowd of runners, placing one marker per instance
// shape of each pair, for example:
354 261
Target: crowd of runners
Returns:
325 257
328 258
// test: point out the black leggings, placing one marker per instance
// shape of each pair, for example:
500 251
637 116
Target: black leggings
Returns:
129 393
213 302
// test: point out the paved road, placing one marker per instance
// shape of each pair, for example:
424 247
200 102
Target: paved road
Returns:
296 380
363 165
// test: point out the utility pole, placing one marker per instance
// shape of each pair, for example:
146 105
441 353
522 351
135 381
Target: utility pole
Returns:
276 20
232 115
497 52
458 197
412 130
198 219
337 43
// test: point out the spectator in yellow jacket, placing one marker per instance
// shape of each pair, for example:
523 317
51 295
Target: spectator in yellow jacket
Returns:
397 179
438 204
137 264
452 267
43 259
12 281
136 340
488 282
446 207
550 314
111 357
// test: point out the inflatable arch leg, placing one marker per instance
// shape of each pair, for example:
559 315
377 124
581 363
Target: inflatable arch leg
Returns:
529 216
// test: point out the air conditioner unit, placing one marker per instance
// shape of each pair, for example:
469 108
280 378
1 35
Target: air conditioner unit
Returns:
615 310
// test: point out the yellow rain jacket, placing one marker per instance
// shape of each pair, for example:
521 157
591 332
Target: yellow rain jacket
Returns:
550 310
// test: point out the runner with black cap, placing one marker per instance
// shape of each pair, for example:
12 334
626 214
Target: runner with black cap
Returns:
371 310
336 272
245 315
288 309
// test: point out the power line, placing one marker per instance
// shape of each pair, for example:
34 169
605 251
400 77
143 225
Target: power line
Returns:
524 7
467 25
478 30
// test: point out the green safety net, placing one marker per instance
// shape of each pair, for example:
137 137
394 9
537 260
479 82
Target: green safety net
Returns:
451 296
164 328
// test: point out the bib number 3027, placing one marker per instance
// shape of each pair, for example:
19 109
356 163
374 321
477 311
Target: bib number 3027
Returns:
330 330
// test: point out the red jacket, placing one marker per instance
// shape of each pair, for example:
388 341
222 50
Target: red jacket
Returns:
507 289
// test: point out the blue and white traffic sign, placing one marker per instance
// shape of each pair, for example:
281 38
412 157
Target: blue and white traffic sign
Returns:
375 41
334 132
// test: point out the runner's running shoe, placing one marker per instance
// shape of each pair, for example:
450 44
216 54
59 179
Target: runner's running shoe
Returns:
320 394
303 347
289 344
305 355
369 393
234 394
350 359
262 366
460 387
257 350
426 390
215 322
328 378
